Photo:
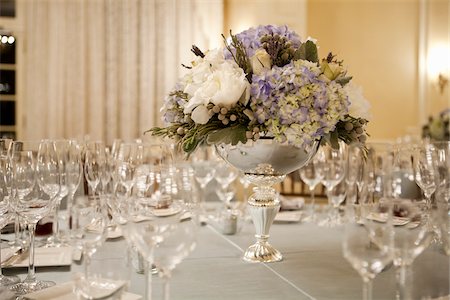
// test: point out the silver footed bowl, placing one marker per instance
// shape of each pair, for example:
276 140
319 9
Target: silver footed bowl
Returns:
264 163
266 157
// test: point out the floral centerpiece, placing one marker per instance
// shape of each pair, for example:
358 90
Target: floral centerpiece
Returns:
264 82
438 127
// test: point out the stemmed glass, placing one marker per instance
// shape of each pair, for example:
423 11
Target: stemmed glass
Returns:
332 172
94 165
6 213
368 239
61 147
36 184
411 217
89 231
311 175
126 162
424 170
204 171
178 242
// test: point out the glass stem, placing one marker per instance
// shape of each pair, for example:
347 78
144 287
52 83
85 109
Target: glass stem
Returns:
1 274
166 277
55 225
87 265
367 289
148 275
17 239
313 200
31 277
403 277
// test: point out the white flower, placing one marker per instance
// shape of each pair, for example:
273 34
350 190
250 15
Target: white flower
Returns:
214 80
261 62
200 115
359 106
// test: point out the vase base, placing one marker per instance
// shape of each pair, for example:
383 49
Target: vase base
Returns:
262 252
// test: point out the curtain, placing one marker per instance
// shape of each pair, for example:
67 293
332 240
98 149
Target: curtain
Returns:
100 69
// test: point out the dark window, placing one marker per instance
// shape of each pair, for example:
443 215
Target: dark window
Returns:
7 135
7 113
7 49
7 82
7 8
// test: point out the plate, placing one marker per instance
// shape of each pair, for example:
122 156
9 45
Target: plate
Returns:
64 292
165 212
46 257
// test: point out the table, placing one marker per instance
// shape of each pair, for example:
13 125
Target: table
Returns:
313 268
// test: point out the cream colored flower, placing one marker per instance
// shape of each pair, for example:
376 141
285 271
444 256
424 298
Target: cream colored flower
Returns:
261 62
359 106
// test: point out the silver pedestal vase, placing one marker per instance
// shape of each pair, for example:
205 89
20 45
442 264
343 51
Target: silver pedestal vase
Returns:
265 163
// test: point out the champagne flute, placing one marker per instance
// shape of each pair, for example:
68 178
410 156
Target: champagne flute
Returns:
424 170
6 213
36 183
94 164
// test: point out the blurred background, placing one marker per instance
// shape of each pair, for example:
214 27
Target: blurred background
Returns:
100 69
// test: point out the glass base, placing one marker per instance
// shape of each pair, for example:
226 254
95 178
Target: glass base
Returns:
8 280
23 288
262 252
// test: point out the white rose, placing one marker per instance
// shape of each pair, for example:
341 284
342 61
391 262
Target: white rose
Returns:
261 62
200 115
231 84
359 106
215 80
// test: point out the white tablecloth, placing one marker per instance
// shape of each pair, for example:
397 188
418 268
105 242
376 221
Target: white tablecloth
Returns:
313 268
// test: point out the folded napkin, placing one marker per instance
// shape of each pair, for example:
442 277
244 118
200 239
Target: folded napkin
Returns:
296 203
7 253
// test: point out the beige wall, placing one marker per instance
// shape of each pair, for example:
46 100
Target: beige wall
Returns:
378 41
242 14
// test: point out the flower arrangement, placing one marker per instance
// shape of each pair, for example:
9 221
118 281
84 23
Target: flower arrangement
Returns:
265 82
438 128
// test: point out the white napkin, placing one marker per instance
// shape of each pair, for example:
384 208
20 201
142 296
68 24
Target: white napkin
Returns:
288 216
45 257
7 253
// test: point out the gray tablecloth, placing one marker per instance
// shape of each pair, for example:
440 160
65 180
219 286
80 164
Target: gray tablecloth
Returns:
313 268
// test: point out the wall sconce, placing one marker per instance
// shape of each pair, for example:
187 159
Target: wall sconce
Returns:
438 65
442 82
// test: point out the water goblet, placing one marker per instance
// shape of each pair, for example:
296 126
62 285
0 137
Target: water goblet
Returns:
36 184
225 174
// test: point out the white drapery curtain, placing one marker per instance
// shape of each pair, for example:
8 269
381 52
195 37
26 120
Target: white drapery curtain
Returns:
102 68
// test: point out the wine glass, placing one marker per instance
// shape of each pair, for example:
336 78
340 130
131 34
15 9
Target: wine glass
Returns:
411 217
332 172
6 213
89 231
367 242
225 174
336 197
61 147
311 175
178 242
443 214
126 162
36 184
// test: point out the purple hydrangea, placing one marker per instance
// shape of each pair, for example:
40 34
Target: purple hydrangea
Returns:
251 38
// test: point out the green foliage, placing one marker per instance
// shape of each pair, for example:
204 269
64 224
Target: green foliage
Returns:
240 55
230 135
307 51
